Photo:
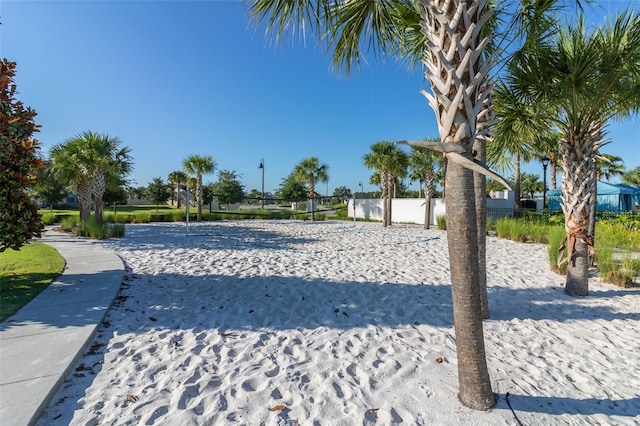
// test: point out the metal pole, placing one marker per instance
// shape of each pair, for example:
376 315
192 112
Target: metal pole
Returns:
262 197
544 187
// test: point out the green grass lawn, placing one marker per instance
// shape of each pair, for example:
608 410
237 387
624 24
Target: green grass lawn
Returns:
25 273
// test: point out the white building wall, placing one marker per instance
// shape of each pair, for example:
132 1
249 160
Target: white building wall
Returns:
411 210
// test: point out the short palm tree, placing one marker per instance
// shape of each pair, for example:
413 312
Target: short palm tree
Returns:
197 166
67 163
389 163
589 78
425 165
310 171
177 179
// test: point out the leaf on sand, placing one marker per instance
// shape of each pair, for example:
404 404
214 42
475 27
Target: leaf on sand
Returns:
277 408
132 398
153 319
231 335
439 360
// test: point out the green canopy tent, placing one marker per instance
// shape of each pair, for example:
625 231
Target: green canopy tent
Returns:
611 197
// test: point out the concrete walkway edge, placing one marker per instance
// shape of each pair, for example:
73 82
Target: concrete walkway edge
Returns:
40 344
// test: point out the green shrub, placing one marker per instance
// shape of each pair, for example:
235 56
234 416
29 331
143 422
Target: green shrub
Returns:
341 212
48 218
319 217
441 222
556 236
617 251
68 224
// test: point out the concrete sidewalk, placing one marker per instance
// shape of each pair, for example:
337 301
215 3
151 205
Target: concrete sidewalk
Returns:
41 343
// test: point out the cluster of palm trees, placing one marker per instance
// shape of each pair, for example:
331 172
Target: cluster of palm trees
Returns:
565 79
194 167
90 162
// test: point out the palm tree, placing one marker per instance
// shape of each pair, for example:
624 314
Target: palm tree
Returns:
547 145
389 163
197 166
311 171
530 184
589 79
632 177
452 54
608 166
177 179
424 165
67 163
89 160
516 134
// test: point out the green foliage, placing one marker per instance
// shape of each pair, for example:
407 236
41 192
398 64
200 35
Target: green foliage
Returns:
228 188
341 212
49 188
25 273
632 177
19 217
292 189
441 222
158 192
342 193
522 230
320 217
556 237
618 251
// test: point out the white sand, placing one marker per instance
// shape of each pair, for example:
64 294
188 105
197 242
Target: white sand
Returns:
342 325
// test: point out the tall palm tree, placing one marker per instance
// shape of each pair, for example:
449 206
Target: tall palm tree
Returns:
589 78
424 165
389 163
452 54
310 171
197 166
177 179
451 43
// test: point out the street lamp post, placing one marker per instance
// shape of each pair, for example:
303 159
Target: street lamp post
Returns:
261 166
545 162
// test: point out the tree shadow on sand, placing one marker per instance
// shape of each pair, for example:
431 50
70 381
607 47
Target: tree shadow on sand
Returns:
562 406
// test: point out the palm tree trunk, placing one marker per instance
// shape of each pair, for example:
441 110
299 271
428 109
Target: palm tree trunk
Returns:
98 189
480 190
390 199
462 236
453 60
553 170
383 196
312 193
199 197
84 202
178 194
578 191
428 193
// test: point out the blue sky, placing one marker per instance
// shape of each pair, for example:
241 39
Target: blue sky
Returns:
174 78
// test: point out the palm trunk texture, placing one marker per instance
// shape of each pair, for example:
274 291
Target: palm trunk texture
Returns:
457 75
99 188
578 192
84 202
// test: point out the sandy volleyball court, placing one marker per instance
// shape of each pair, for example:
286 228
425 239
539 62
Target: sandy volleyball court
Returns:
327 323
